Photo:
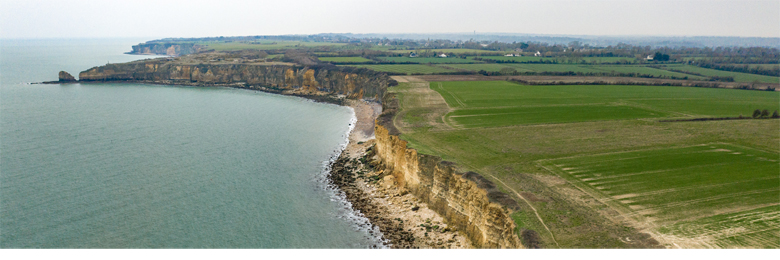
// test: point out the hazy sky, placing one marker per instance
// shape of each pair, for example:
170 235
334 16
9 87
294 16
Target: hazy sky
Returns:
196 18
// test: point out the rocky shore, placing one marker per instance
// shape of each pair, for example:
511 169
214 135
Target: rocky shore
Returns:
403 220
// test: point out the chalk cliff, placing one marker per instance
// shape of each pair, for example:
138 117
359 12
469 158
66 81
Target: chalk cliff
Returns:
467 201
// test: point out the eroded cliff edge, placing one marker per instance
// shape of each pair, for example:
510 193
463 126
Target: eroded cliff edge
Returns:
467 200
274 77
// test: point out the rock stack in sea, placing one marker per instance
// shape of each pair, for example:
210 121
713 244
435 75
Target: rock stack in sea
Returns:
66 77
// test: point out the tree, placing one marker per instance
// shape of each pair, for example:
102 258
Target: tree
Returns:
660 57
765 113
756 113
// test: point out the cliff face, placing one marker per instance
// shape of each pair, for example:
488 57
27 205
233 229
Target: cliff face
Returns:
467 200
358 84
170 49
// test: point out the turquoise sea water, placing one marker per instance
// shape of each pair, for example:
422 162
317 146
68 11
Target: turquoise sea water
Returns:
147 166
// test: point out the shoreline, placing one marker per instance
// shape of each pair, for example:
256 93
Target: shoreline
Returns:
404 221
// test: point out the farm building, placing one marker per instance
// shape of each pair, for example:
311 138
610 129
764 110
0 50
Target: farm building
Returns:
412 54
442 55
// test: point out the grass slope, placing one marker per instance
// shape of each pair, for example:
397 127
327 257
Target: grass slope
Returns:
577 219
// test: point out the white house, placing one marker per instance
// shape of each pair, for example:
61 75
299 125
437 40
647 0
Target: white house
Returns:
649 57
442 55
537 54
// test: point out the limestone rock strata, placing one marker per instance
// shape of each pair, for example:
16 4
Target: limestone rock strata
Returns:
353 84
170 49
467 201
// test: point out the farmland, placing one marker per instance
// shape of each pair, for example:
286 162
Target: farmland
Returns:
763 66
738 76
536 158
563 68
263 45
527 59
592 66
477 67
674 187
406 68
456 51
427 60
645 71
345 59
511 104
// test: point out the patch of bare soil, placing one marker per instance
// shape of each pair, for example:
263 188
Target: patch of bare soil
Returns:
425 104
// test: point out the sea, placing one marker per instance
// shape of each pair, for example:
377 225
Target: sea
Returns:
126 165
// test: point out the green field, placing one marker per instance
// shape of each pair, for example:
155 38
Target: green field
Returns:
501 103
738 76
406 68
560 59
456 51
541 68
345 59
645 70
263 45
687 186
428 60
763 66
737 205
491 67
493 117
555 68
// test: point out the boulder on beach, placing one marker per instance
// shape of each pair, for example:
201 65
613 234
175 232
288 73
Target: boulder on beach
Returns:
66 77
